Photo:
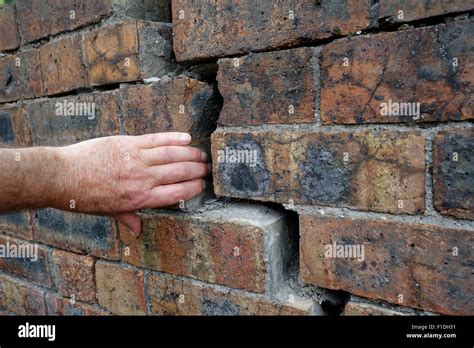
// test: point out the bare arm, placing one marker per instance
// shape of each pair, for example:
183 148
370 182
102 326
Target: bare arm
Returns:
107 176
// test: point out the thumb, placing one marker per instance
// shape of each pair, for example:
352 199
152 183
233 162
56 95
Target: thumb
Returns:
132 221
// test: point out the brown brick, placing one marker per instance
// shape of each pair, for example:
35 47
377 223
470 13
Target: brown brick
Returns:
74 275
10 38
453 173
410 66
120 289
127 51
14 128
80 233
21 298
17 224
62 66
242 246
225 27
384 170
38 19
26 260
20 76
389 10
68 120
368 309
175 296
412 264
178 105
57 305
263 88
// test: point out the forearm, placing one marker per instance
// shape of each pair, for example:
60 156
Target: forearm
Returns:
30 178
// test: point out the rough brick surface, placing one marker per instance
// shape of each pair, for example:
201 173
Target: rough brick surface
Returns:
121 290
223 27
411 264
74 275
389 10
62 67
27 260
20 76
16 224
173 296
127 51
235 246
261 89
70 119
14 128
77 232
454 173
10 38
38 19
57 305
383 171
180 105
368 309
20 298
412 66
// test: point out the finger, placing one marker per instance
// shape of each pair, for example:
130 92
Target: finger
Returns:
166 195
149 141
172 154
132 221
179 172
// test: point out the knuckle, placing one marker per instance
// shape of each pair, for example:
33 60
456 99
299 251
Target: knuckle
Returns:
180 172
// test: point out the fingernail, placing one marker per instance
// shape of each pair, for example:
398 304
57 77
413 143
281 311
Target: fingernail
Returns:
203 157
185 137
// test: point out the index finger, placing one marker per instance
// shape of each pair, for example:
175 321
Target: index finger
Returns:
149 141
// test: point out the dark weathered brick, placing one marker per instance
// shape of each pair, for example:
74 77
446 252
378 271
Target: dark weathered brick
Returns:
70 119
363 75
174 296
17 224
38 19
410 10
94 235
263 88
225 27
412 264
21 298
378 171
20 76
57 305
30 261
242 246
10 38
14 128
453 172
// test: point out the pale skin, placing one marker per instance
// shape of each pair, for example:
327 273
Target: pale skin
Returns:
113 176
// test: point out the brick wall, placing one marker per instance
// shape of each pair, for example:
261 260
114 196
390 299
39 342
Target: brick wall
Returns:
342 144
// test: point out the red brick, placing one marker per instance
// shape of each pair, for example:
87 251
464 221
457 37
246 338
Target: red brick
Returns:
224 27
120 289
453 173
389 10
127 51
410 264
30 262
62 66
66 120
38 19
10 38
384 170
369 309
20 76
410 66
21 298
57 305
74 275
175 296
14 128
263 88
79 233
17 224
178 105
241 246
